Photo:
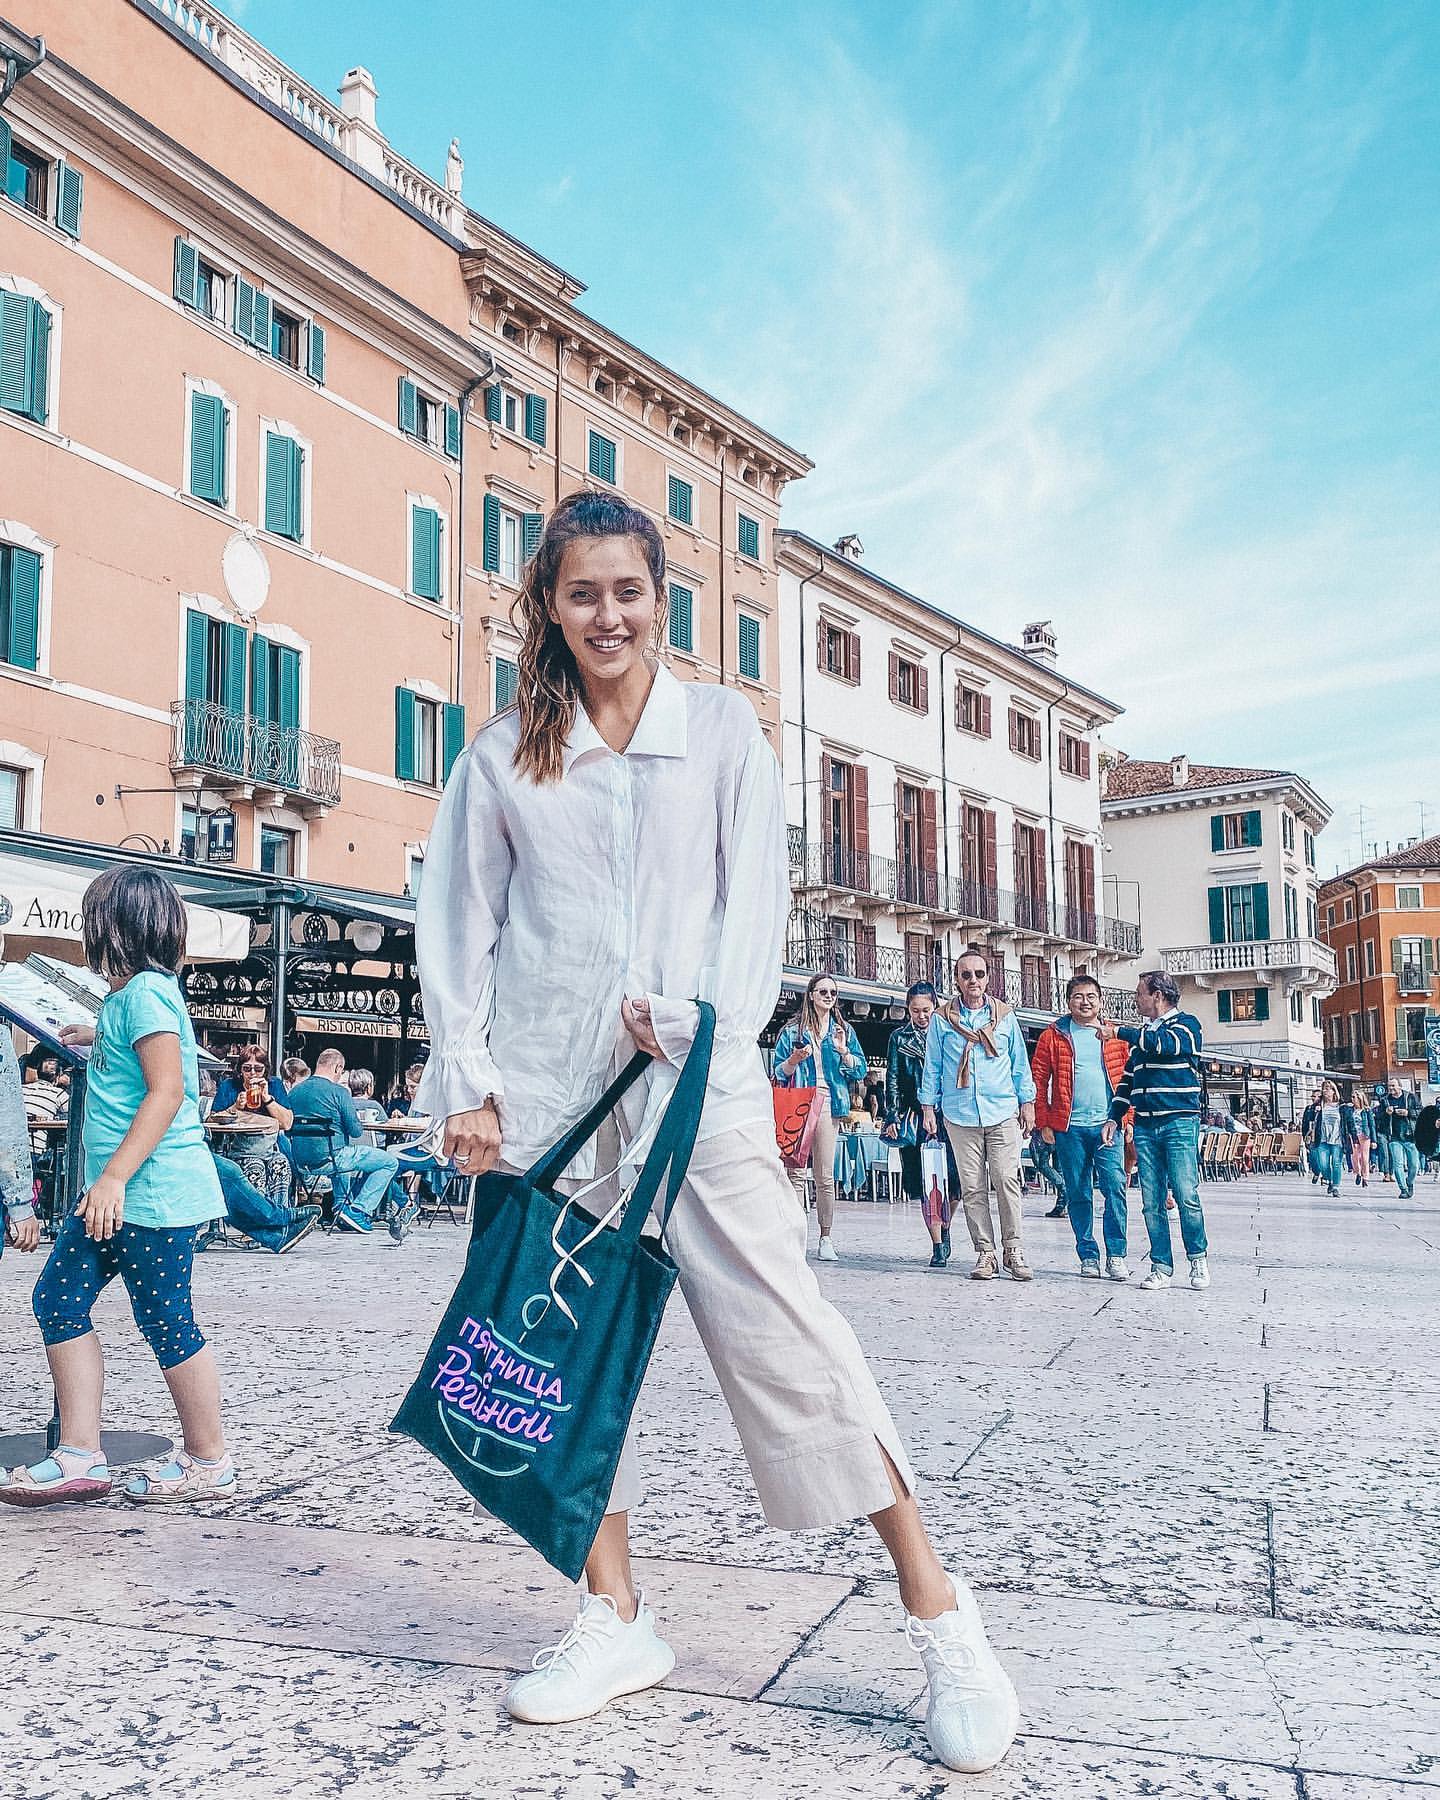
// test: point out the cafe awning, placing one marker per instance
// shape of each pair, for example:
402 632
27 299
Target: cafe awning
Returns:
40 911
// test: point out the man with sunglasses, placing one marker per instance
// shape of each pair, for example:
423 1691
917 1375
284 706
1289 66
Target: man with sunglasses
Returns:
978 1073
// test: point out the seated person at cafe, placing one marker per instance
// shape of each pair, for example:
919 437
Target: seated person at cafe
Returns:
434 1175
277 1228
250 1093
293 1071
361 1083
363 1174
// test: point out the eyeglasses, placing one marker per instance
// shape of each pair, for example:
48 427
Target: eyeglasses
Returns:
252 1068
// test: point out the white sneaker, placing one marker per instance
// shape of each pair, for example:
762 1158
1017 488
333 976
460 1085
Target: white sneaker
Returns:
973 1714
1116 1269
1199 1272
826 1252
1157 1278
599 1658
1089 1271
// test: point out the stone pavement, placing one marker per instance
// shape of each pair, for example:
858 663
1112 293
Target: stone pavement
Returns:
1206 1527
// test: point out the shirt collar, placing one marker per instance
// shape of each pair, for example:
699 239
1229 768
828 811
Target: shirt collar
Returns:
663 729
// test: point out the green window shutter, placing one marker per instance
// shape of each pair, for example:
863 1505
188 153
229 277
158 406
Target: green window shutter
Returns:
454 737
260 680
261 337
23 648
425 552
197 656
187 273
749 647
244 318
209 427
507 679
1217 915
289 710
748 533
682 618
233 674
493 399
315 352
404 734
537 410
601 458
1250 831
532 526
284 486
1217 831
1261 891
69 198
680 500
1262 1004
24 357
4 148
452 431
1222 1006
409 407
490 537
38 363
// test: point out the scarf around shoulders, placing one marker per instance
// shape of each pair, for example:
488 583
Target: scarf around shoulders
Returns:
983 1035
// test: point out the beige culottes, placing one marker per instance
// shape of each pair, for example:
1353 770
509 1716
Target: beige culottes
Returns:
810 1417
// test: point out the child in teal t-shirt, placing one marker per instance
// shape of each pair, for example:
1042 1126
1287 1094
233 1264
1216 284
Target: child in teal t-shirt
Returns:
149 1181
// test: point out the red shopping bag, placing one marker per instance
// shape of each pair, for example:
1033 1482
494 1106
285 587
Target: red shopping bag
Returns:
797 1109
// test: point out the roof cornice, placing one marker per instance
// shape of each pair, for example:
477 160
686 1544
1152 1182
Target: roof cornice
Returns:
1311 806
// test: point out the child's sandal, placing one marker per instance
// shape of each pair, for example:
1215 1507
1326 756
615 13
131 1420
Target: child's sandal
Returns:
67 1475
184 1478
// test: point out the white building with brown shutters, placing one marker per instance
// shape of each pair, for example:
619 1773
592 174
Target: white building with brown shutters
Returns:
941 788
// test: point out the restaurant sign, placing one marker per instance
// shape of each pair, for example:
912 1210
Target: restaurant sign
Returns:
347 1025
226 1012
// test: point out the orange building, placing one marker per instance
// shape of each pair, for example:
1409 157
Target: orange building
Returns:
1382 919
280 419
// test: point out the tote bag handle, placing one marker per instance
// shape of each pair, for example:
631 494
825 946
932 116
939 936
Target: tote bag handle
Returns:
675 1139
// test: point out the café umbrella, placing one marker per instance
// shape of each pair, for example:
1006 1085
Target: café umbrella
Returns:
40 911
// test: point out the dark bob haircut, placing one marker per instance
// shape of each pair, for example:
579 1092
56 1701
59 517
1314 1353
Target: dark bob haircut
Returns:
133 920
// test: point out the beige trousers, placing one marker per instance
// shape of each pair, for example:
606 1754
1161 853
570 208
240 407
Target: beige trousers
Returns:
994 1149
810 1417
822 1161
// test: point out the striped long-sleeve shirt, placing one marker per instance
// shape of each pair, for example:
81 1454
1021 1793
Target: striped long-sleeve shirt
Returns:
1162 1078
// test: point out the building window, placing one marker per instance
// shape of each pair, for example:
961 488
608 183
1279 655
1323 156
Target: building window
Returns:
1297 1009
680 500
1074 756
972 711
1292 911
1312 914
278 849
12 797
20 572
27 180
507 680
680 627
1287 830
284 510
1242 1006
427 562
604 387
1372 1025
1412 961
747 535
1240 914
838 651
285 338
1350 964
512 333
1315 1013
602 457
1235 831
1367 901
25 357
909 683
748 646
680 431
429 735
428 420
415 870
1409 897
1349 910
1024 734
208 463
1309 849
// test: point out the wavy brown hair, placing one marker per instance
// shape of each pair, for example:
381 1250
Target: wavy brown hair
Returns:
548 689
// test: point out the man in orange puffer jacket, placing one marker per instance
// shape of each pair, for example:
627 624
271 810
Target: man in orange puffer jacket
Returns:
1076 1074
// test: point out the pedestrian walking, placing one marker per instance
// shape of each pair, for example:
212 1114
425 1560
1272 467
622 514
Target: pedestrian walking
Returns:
149 1181
818 1048
1077 1072
1327 1134
608 850
1162 1083
1396 1112
977 1075
904 1126
1357 1122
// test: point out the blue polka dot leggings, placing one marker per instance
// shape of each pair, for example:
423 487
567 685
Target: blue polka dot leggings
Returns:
155 1266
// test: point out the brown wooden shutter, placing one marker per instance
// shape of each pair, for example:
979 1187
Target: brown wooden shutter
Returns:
819 643
922 688
1087 877
894 676
929 846
959 704
1020 855
860 820
1085 758
991 883
865 958
1041 883
1014 729
985 715
826 829
852 659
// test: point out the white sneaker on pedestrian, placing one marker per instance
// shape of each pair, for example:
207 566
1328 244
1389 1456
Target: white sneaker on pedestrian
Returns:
1116 1268
1157 1278
973 1714
1090 1271
1199 1272
826 1252
599 1658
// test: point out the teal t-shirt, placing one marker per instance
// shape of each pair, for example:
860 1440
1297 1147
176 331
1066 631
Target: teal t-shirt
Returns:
177 1184
1091 1102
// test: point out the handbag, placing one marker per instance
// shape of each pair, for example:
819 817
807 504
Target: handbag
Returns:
797 1113
526 1391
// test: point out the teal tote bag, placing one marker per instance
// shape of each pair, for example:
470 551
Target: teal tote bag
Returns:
526 1391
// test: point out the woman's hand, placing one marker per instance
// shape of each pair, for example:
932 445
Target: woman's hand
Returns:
23 1234
472 1140
103 1207
77 1035
636 1014
890 1132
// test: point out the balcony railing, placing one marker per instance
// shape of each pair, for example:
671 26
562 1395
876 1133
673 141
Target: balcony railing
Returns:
1122 936
1307 955
1408 1049
216 741
1036 989
1119 1005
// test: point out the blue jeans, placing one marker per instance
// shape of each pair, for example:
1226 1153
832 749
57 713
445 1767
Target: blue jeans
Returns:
1380 1158
1046 1160
1329 1163
249 1210
1083 1161
378 1169
1405 1166
1168 1155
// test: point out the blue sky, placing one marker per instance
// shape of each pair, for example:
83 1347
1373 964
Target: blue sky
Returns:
1121 314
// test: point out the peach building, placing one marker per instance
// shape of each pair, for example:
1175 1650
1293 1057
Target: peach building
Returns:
280 419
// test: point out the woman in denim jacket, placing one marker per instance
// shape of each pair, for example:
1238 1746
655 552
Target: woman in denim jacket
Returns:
819 1024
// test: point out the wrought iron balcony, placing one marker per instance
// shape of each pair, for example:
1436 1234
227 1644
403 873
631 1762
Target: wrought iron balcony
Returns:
1036 989
1119 1005
243 752
1122 936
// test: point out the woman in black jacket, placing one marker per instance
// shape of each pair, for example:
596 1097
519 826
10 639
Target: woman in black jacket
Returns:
905 1063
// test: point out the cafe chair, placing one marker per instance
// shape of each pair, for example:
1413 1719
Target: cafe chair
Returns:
315 1183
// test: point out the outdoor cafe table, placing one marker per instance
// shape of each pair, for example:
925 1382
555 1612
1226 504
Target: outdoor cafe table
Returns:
856 1154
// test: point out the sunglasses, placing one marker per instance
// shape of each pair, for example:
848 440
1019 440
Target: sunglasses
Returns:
826 993
973 974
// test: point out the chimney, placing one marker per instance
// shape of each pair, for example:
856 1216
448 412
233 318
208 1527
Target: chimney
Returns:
1179 771
1039 643
364 142
851 548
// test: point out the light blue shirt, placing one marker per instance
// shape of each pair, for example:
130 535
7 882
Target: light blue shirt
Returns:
999 1085
1091 1102
176 1184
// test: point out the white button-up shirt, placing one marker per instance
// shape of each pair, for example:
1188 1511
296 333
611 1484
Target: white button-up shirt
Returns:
660 871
